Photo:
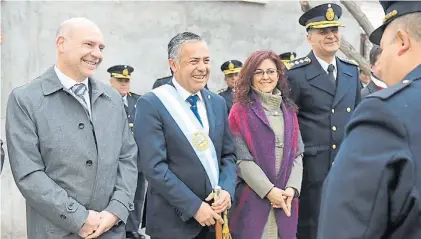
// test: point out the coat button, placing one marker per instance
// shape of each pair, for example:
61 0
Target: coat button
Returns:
81 125
333 111
89 162
348 109
334 128
333 146
62 217
70 206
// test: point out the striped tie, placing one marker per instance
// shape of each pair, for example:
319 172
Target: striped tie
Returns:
79 90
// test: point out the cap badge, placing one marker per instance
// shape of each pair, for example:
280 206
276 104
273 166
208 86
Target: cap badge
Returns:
125 72
231 66
330 14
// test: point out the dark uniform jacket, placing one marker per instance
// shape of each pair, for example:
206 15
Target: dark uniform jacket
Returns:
131 109
323 114
135 217
227 95
161 81
374 188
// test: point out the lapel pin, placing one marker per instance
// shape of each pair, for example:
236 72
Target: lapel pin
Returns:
208 96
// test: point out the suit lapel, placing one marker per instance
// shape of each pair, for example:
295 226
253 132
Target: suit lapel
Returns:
344 81
207 98
317 76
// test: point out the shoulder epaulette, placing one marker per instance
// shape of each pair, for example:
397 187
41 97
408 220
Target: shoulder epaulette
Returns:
298 63
349 61
220 91
133 94
165 77
390 91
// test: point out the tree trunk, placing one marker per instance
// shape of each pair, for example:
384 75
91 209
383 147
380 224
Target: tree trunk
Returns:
346 47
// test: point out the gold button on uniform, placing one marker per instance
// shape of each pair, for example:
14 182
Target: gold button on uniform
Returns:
348 109
333 111
334 146
334 128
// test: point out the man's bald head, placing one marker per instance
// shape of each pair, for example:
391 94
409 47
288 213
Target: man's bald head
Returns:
79 44
68 26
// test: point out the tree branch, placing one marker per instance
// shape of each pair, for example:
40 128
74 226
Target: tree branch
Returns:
358 14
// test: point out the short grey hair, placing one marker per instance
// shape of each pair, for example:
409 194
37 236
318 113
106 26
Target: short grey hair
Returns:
178 40
411 23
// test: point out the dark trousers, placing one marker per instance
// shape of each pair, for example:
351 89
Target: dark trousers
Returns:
204 234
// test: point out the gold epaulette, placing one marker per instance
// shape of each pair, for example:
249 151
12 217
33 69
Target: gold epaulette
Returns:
298 63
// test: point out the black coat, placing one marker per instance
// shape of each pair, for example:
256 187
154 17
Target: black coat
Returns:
228 97
323 114
374 188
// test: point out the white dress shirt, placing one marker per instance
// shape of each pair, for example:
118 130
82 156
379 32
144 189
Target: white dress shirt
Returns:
325 65
201 107
68 83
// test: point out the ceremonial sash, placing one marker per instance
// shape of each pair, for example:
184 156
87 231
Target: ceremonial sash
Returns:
192 130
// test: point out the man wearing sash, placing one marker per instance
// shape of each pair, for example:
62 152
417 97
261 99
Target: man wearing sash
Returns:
186 147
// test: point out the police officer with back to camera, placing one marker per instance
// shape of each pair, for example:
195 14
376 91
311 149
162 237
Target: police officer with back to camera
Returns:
287 57
326 89
231 70
374 188
120 79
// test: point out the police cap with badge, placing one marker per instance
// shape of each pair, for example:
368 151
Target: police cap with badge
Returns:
121 71
322 16
393 10
319 17
231 67
287 57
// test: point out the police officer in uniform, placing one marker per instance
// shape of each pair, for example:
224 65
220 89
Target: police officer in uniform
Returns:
326 89
120 79
231 70
287 57
374 188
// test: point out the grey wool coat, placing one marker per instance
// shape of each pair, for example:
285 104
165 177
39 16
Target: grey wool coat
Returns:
63 163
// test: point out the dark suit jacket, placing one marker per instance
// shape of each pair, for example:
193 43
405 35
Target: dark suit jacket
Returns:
323 114
374 189
177 180
370 88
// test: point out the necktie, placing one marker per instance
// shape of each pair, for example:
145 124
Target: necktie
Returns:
126 108
193 102
79 90
330 70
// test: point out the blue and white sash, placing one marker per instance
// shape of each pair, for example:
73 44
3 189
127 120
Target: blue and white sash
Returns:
192 130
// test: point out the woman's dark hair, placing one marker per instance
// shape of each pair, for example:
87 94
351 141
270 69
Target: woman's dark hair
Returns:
243 85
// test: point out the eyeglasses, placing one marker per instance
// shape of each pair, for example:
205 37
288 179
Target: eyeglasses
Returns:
269 72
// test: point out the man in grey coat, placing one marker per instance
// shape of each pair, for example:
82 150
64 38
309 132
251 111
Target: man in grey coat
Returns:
72 157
